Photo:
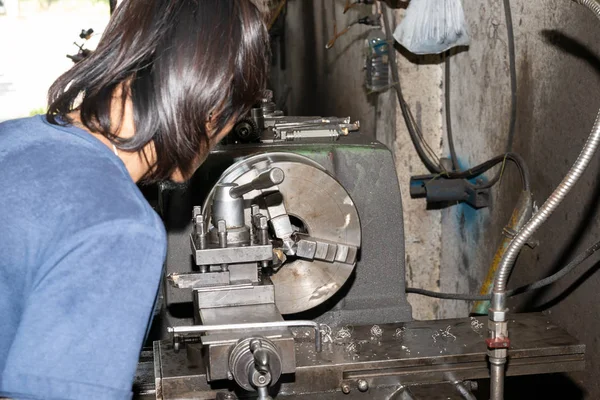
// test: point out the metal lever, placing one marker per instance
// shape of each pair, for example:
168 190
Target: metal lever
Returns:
265 180
261 357
261 376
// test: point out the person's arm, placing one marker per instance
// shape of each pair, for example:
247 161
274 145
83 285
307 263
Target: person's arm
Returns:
86 315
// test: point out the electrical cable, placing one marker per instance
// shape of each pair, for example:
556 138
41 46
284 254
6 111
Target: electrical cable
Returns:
413 130
416 136
513 90
578 260
513 74
424 151
453 156
487 165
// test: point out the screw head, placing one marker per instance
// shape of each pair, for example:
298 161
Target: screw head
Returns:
346 388
262 380
363 385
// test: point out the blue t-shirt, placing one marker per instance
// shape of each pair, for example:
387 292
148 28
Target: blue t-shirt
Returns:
81 255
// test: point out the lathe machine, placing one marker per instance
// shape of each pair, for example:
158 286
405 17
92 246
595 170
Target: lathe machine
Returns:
285 279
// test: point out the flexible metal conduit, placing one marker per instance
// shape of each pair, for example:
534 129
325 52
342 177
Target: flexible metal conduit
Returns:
557 197
499 297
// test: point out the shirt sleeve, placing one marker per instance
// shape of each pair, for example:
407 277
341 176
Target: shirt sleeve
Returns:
84 322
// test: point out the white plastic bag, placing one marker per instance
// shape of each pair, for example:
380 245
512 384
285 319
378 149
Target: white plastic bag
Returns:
433 26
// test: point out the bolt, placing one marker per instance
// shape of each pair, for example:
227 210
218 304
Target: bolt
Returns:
222 230
345 388
229 376
197 211
262 380
363 386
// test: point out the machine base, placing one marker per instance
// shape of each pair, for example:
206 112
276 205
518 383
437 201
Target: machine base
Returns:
376 362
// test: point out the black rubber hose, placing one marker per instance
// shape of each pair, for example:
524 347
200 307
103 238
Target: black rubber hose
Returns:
432 166
513 90
513 75
453 155
578 260
487 165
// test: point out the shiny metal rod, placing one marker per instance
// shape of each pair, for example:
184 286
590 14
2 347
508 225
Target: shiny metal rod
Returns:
182 330
497 382
265 180
464 391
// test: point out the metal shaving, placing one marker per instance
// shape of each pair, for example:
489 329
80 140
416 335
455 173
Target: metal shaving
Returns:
475 324
400 332
326 333
406 349
352 347
344 333
376 331
446 334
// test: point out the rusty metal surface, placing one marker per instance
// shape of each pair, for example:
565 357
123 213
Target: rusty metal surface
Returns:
521 214
392 355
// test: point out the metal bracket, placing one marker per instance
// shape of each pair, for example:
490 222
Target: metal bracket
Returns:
511 234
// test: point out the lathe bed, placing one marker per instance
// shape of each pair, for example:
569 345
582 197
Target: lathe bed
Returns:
412 354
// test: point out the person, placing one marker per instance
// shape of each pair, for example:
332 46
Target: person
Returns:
81 251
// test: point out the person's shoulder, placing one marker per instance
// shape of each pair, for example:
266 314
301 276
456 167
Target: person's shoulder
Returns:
67 177
19 123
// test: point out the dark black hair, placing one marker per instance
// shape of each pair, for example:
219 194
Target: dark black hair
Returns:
181 61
